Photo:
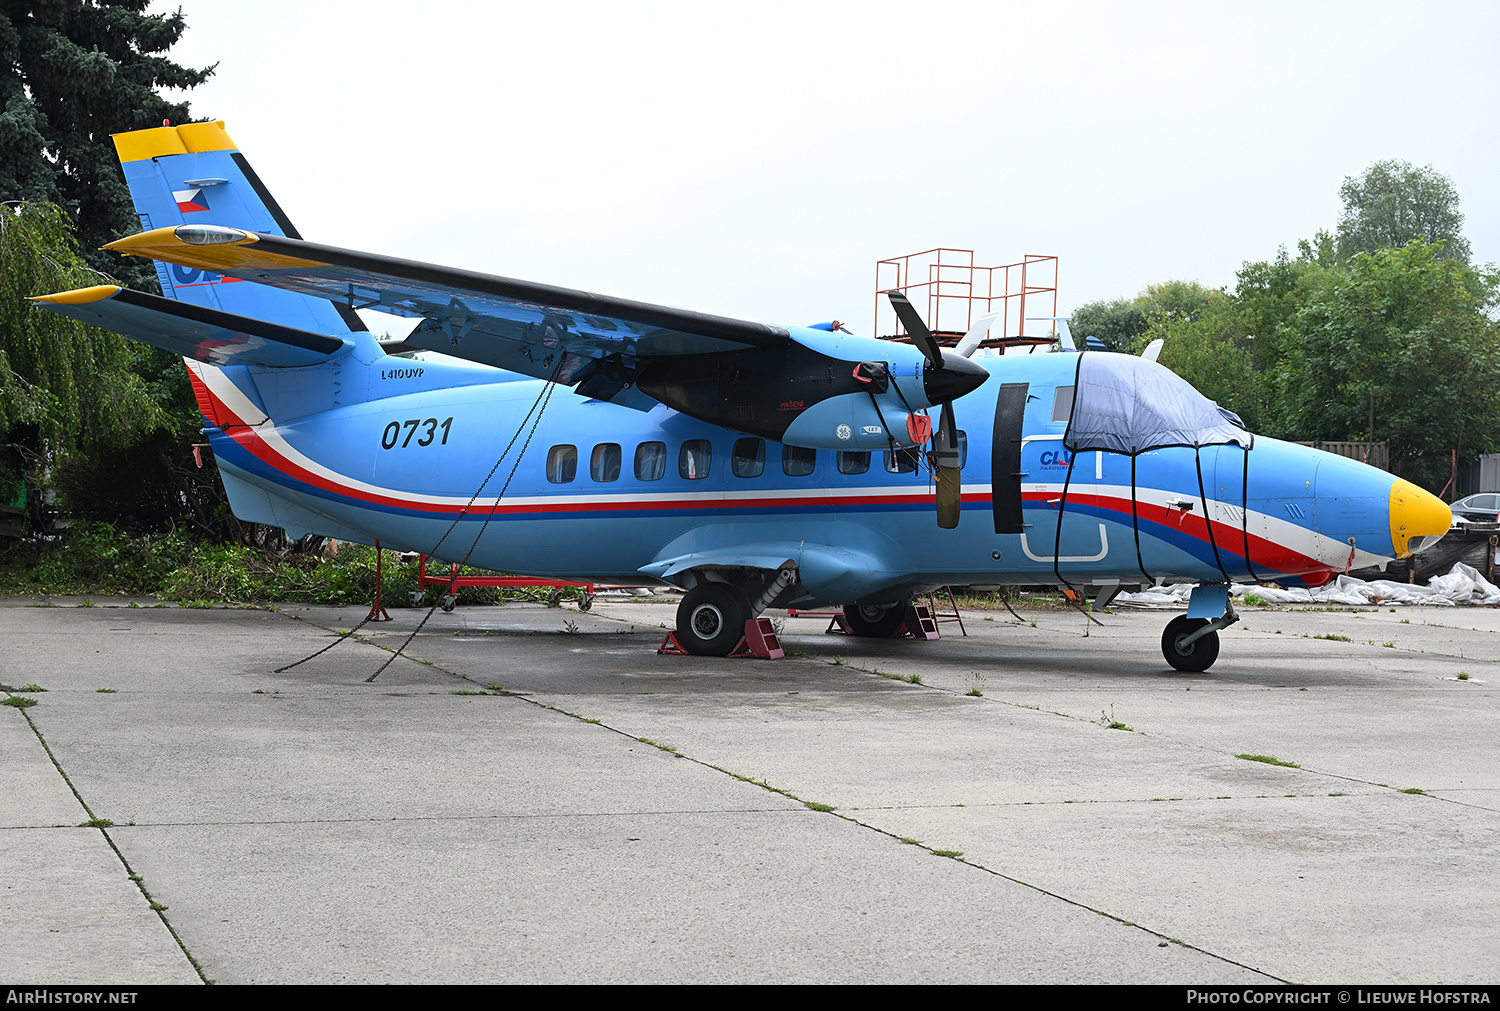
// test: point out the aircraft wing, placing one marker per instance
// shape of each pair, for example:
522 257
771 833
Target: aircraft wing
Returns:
534 329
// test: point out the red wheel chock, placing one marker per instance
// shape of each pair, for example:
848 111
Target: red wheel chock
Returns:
918 624
759 640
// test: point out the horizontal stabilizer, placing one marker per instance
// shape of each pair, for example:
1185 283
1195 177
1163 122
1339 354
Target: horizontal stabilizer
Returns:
193 331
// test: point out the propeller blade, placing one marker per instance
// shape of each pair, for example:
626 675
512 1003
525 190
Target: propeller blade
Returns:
916 329
945 462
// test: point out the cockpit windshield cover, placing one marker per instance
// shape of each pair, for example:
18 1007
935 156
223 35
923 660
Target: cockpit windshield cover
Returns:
1125 404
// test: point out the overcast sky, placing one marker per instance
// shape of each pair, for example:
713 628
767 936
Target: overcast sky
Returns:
756 159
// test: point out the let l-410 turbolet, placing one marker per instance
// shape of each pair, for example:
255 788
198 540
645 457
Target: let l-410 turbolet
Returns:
594 438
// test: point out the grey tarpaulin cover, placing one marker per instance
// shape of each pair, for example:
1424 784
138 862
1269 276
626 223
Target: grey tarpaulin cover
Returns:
1125 404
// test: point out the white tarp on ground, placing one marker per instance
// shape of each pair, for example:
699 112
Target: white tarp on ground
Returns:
1463 585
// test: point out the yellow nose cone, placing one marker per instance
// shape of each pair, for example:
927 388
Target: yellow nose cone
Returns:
1416 513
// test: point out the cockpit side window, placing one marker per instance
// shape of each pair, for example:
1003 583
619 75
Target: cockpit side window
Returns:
1062 404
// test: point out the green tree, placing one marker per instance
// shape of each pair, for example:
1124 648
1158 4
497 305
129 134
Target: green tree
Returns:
1394 203
1122 323
1403 330
1119 323
1214 348
71 385
73 72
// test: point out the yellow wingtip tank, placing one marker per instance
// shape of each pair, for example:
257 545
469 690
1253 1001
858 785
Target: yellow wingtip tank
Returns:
80 296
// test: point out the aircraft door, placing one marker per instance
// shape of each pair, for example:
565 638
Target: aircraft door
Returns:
1062 486
1224 469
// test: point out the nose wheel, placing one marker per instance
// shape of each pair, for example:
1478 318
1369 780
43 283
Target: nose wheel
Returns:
1183 651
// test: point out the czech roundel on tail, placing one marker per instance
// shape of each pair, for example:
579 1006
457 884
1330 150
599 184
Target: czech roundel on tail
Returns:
751 464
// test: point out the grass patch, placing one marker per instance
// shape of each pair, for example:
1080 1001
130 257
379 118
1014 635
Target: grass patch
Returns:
32 688
824 808
19 701
664 747
1416 790
1333 637
1269 760
106 691
950 854
96 823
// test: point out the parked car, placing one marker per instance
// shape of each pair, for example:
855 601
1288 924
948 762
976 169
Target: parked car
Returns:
1481 508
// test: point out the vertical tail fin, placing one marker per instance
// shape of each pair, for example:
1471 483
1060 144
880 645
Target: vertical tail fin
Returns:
194 174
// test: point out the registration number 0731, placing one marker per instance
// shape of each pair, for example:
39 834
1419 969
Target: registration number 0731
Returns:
392 436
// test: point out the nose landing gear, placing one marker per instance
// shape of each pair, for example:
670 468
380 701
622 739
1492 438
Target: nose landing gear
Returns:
1191 642
1195 656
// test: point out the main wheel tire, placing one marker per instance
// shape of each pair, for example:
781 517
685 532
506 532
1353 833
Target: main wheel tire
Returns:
1196 657
711 619
874 621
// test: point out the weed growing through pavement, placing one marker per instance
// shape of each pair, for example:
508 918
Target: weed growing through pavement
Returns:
1269 760
32 688
1108 721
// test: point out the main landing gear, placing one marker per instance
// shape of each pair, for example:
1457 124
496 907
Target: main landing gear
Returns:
711 619
874 621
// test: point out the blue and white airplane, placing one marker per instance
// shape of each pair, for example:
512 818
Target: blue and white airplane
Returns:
753 465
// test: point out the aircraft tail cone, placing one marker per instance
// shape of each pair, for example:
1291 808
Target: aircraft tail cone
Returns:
1416 516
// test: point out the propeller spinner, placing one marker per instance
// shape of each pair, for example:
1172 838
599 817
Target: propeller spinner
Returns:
944 379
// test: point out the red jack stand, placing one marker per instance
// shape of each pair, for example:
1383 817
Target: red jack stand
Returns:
759 640
377 609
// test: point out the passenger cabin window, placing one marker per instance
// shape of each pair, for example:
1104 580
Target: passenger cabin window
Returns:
853 461
604 465
562 464
1062 404
797 461
694 460
901 461
749 457
650 461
